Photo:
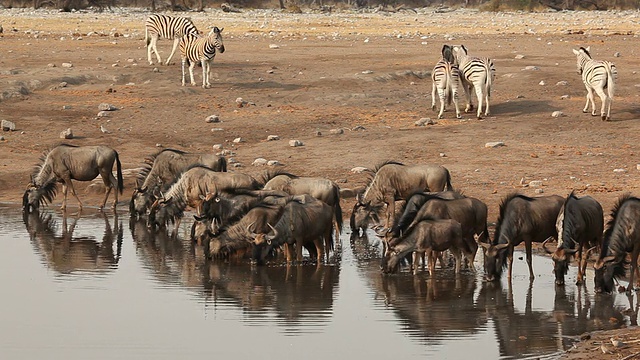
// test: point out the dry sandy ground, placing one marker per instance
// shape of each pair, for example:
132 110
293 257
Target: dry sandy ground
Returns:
348 70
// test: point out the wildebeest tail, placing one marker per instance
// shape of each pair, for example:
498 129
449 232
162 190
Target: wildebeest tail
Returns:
337 210
352 219
223 164
119 171
449 187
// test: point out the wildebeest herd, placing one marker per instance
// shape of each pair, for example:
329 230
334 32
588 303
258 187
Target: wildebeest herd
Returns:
239 216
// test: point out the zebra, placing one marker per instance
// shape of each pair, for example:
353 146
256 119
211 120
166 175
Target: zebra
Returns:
446 82
478 73
597 76
194 48
170 27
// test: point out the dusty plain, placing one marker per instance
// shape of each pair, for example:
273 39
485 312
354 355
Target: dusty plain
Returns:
304 75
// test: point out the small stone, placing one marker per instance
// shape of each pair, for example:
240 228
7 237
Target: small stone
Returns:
273 138
259 162
520 97
519 56
538 191
66 134
155 70
67 65
106 107
158 145
564 97
227 153
51 65
531 68
542 83
273 163
240 101
367 72
638 167
562 83
616 54
8 125
336 131
494 144
318 133
424 121
217 147
66 107
63 84
274 46
217 129
238 140
295 143
359 169
443 155
232 160
535 183
237 165
212 119
619 171
1 138
358 128
103 114
557 114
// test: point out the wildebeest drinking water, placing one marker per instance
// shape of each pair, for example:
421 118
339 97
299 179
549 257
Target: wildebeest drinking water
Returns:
395 181
622 236
579 225
66 162
162 169
521 219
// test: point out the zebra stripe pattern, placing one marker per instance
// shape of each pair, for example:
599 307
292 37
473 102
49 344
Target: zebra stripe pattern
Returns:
446 82
168 27
194 48
597 76
477 73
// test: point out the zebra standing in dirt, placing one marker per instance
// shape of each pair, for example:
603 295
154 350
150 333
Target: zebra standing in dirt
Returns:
194 48
446 82
597 76
477 73
168 27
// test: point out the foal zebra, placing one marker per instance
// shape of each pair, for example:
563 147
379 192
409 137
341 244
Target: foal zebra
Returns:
478 73
446 82
597 76
194 48
168 27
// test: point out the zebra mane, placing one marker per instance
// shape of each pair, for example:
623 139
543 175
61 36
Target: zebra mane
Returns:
585 51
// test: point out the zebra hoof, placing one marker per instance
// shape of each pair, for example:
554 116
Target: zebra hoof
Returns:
606 118
193 84
458 116
594 114
440 116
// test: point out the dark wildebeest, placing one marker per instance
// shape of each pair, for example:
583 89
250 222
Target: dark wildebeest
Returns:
622 236
470 212
162 169
300 224
191 189
580 224
64 163
521 219
320 188
427 236
395 181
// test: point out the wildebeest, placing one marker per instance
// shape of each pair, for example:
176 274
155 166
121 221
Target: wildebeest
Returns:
429 235
66 162
580 224
300 224
162 169
470 212
395 181
191 188
622 236
320 188
521 219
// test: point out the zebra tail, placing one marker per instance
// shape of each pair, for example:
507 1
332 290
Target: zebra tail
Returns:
610 81
147 39
488 80
448 91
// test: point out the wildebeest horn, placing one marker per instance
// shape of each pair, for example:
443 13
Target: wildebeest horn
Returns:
589 252
202 197
477 237
381 231
544 245
199 218
502 246
271 237
251 233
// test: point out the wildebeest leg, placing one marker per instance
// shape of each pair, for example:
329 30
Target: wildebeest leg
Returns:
110 183
299 251
458 256
176 226
634 269
527 245
391 211
73 192
432 262
582 265
289 253
64 197
510 259
318 242
416 255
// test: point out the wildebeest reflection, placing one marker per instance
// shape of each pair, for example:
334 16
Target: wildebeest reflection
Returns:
298 295
66 253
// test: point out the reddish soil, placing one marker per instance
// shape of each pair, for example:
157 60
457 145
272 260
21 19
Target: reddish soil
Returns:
337 71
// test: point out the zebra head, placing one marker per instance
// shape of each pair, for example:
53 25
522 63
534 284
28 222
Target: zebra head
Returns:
217 33
583 56
459 52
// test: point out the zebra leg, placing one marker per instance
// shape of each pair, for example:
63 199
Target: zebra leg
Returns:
176 41
205 74
480 96
183 72
467 94
455 96
191 66
589 100
433 96
153 46
605 100
442 96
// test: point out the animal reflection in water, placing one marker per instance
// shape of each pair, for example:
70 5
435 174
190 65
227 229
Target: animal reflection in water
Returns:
66 253
429 307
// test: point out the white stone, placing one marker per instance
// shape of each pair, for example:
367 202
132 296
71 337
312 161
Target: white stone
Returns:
531 67
67 65
259 162
494 144
295 143
638 167
212 119
273 138
562 83
519 56
535 183
103 114
336 131
539 191
238 140
274 46
217 147
443 155
106 107
359 169
367 72
619 171
541 83
424 121
66 134
66 107
8 125
273 163
557 114
616 54
564 97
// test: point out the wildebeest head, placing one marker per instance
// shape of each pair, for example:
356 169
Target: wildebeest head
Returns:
35 195
159 214
262 244
494 259
141 199
203 229
561 258
606 270
391 260
362 215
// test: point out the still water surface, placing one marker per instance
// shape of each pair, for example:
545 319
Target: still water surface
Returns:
106 288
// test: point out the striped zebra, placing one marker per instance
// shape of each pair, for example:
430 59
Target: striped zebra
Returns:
597 76
194 48
168 27
446 82
477 73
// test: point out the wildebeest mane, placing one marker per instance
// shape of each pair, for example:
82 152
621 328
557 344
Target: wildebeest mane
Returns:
611 227
503 212
372 173
412 206
148 164
270 174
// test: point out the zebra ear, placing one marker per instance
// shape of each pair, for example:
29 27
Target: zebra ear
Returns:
576 52
588 48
